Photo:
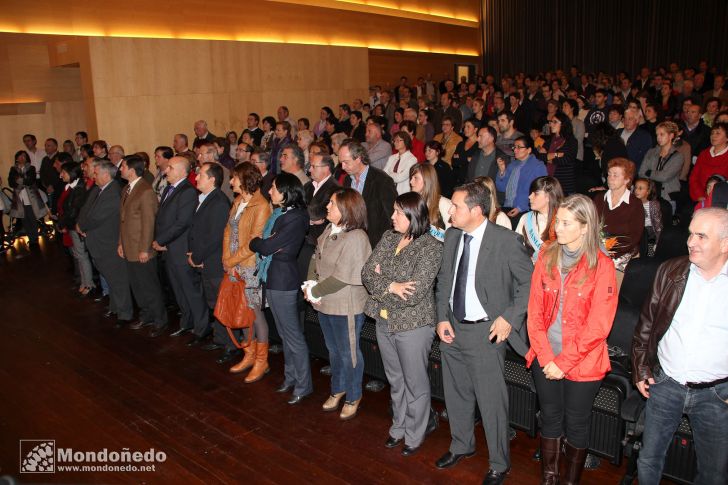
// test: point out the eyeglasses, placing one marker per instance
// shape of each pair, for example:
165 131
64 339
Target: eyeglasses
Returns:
554 122
515 147
318 166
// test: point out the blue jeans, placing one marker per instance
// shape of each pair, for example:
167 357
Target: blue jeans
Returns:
297 366
344 376
707 411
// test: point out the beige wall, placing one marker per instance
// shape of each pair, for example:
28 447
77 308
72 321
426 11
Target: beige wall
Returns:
26 76
387 67
146 90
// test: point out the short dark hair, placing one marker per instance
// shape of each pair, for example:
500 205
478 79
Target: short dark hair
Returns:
136 163
166 151
73 169
509 116
415 210
256 116
87 150
82 134
352 207
263 156
602 91
297 153
291 189
64 157
490 130
574 105
214 170
31 136
405 137
326 160
345 107
476 195
305 122
527 141
356 113
437 146
249 176
55 142
409 125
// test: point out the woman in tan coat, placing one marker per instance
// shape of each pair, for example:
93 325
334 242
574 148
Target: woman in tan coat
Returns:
248 214
335 289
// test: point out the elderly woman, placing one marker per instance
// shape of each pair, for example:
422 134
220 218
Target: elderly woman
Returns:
400 275
622 215
277 268
28 204
570 312
335 289
247 218
399 164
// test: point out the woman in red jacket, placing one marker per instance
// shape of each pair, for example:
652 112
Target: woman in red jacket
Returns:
570 312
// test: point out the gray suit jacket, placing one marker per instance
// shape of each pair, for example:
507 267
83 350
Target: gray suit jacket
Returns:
99 219
502 284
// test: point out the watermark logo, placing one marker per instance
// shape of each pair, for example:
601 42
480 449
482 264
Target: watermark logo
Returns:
43 456
37 456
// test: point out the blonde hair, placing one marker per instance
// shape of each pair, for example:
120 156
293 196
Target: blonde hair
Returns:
494 206
585 213
430 191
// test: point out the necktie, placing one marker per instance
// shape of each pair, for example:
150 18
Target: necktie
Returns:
396 165
127 191
167 190
461 280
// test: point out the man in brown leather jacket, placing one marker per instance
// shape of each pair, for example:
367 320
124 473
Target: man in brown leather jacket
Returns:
679 357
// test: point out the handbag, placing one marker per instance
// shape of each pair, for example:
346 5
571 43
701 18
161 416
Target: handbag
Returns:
232 309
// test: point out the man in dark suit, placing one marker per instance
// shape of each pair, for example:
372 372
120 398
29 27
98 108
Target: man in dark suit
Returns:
373 184
637 140
136 232
205 237
317 193
261 161
201 132
482 298
99 225
176 208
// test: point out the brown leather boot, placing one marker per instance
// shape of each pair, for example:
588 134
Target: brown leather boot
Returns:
550 452
575 458
247 361
260 368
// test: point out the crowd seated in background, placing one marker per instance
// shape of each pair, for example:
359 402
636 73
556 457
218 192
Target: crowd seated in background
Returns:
359 211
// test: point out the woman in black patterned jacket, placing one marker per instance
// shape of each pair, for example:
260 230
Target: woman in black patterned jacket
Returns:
400 276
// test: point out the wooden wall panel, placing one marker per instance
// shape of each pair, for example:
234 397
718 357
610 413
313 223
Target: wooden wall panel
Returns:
386 67
146 90
27 76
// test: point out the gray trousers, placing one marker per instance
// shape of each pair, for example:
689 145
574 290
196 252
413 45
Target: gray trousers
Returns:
472 372
83 259
284 306
405 357
115 272
145 287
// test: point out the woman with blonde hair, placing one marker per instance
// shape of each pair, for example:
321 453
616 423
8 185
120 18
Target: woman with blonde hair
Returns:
664 162
571 307
424 181
496 215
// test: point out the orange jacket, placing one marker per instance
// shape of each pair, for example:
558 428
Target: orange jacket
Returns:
587 317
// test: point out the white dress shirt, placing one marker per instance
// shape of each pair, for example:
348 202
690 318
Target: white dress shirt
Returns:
694 347
473 309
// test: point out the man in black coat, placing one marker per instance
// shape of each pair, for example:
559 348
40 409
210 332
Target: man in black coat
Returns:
176 208
205 238
98 223
317 193
373 184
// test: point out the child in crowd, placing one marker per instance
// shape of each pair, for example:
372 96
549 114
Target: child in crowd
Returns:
712 180
645 191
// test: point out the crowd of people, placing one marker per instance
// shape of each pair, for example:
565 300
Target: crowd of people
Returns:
484 214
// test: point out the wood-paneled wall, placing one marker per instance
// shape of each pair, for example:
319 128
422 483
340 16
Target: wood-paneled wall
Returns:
27 77
387 67
146 90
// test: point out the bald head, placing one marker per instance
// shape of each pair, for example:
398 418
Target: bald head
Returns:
178 168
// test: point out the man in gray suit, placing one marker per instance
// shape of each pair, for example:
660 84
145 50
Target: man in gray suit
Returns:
482 297
99 225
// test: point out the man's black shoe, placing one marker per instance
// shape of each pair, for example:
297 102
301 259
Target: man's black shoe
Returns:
449 459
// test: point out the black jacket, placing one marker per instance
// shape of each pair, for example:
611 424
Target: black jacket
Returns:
206 233
317 206
379 194
100 221
173 221
72 207
28 177
284 244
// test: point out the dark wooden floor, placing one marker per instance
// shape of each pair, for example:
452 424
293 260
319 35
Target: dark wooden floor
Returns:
67 374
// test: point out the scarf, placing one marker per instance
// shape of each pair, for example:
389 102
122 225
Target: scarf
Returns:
262 263
512 186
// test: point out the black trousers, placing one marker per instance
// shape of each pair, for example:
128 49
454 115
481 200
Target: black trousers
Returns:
147 292
565 407
30 224
188 293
